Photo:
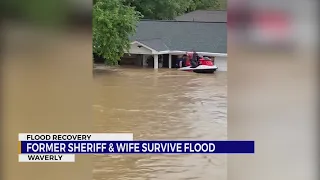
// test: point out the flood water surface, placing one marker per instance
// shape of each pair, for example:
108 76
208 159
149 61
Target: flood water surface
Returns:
161 105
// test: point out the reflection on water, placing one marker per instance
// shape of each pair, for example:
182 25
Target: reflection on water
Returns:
161 105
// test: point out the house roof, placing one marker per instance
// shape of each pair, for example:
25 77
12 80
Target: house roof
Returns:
182 36
156 44
204 16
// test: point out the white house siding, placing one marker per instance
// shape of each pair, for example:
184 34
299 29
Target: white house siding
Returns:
221 63
137 49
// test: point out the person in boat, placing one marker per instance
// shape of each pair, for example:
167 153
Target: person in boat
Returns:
184 60
195 60
179 62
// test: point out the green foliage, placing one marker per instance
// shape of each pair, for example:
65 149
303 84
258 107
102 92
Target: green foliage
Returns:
113 23
169 9
222 5
161 9
204 4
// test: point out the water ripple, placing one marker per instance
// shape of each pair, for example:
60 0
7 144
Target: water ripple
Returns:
168 105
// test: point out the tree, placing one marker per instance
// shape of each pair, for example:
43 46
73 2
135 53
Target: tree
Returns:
169 9
113 23
204 4
162 9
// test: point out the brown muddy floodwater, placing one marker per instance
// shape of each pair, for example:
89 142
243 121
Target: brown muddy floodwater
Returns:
161 105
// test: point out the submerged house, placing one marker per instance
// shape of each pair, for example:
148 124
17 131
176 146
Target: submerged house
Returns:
158 43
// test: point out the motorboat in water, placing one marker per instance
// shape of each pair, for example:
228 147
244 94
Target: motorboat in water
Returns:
205 65
200 69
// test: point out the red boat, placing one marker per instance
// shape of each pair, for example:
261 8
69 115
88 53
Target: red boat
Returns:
206 65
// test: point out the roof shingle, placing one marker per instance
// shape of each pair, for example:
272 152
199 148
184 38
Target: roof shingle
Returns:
156 44
182 36
204 16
